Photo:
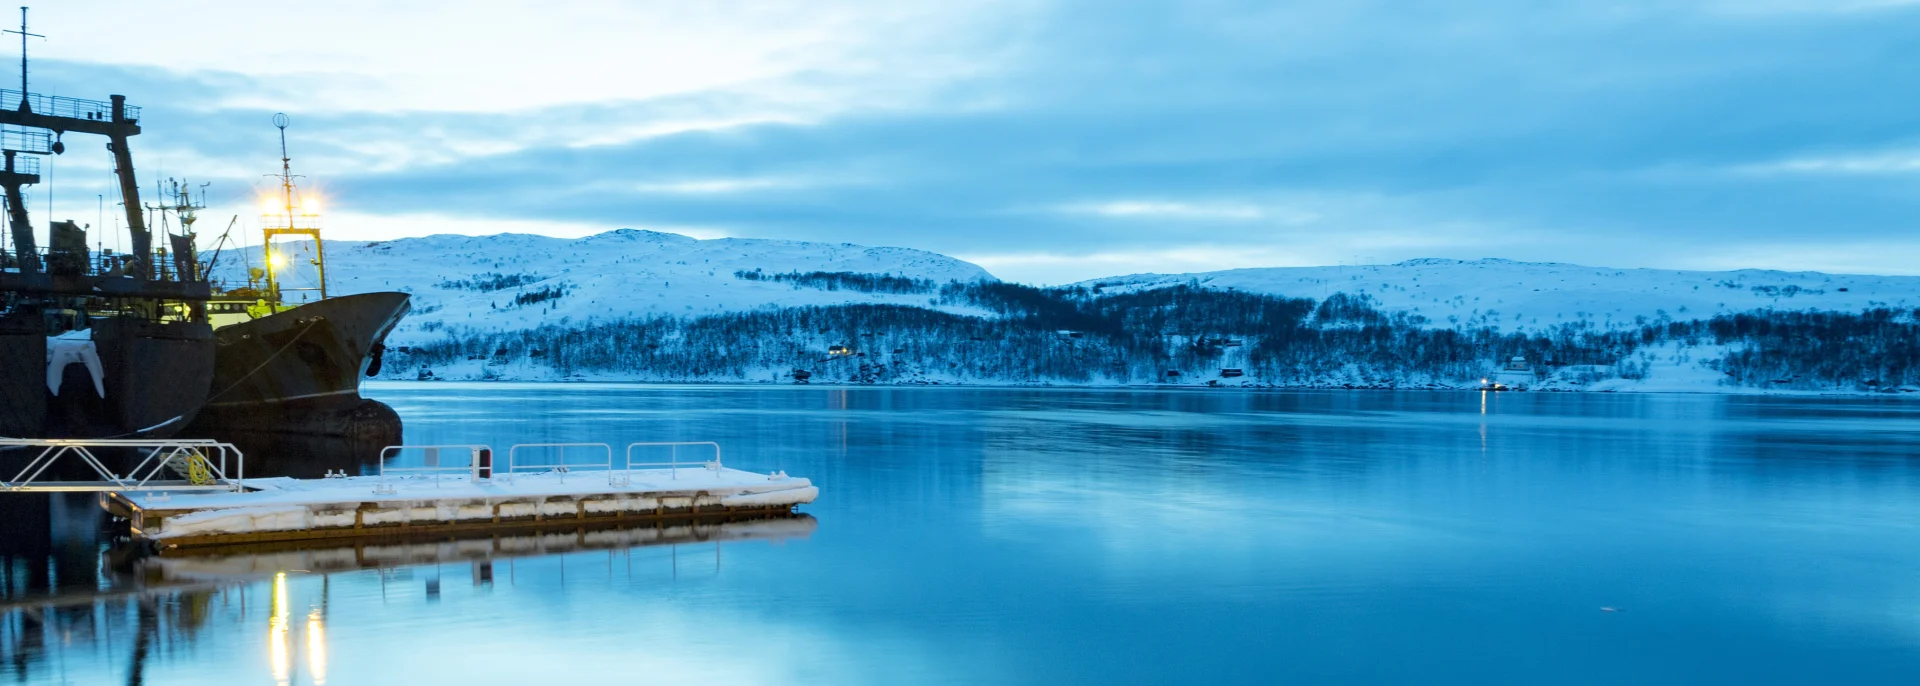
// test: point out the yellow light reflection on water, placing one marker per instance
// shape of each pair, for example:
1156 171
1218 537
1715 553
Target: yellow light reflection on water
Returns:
317 647
278 649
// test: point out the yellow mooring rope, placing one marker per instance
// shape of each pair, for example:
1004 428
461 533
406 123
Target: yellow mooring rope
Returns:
199 470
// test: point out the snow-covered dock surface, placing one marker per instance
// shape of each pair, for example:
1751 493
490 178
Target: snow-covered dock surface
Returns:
363 505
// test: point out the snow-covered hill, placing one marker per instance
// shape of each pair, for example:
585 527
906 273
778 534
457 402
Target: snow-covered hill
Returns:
473 281
493 283
1533 295
489 291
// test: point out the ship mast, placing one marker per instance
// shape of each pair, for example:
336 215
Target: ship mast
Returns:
113 119
21 171
280 121
23 48
15 172
32 124
290 228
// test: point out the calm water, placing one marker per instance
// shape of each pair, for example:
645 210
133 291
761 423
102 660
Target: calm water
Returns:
1047 536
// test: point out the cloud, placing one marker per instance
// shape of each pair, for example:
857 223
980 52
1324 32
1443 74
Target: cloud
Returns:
375 227
1150 209
1763 7
1066 137
1905 161
512 55
716 185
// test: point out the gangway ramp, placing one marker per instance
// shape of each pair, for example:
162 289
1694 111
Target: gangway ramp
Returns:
198 464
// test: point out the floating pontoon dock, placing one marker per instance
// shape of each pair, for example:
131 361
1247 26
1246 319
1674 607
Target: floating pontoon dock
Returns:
539 485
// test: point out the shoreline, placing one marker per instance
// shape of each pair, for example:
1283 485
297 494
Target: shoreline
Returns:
1437 388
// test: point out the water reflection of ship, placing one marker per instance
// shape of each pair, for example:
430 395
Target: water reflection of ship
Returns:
132 570
312 455
170 600
296 367
258 561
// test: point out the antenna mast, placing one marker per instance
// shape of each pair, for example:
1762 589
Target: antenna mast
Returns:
291 228
281 121
21 171
23 55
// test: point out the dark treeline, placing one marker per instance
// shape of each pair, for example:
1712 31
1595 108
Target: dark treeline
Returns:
838 281
1075 336
489 282
1875 349
544 294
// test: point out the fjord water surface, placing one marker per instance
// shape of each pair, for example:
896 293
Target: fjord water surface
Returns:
1135 536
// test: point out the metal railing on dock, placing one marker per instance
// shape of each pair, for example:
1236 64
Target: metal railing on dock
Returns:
209 465
674 453
479 459
203 464
537 457
605 463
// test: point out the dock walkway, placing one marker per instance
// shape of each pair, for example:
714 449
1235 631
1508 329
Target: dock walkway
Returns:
540 485
283 509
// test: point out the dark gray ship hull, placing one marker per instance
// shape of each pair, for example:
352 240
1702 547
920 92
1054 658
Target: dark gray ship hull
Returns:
156 377
308 359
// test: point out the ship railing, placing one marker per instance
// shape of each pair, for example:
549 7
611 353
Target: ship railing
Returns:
26 142
555 459
206 465
673 452
109 262
56 106
301 220
479 460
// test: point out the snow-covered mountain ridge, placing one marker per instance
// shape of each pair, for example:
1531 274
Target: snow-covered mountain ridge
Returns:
508 282
1537 295
475 285
632 305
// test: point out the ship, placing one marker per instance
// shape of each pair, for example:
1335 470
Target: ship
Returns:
142 344
93 344
295 367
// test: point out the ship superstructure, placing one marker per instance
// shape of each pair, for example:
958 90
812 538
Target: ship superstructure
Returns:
139 344
93 343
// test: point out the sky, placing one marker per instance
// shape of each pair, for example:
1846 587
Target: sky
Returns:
1047 141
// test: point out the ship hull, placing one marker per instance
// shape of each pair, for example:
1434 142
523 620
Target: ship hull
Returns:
286 440
23 378
156 377
304 360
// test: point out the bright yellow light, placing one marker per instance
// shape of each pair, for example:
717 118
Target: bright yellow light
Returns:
270 204
280 595
278 648
277 259
317 648
277 645
309 204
